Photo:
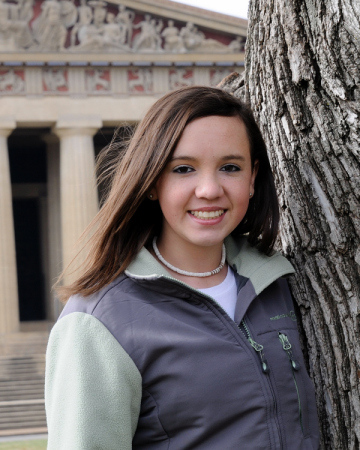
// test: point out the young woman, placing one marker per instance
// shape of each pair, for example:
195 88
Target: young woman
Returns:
181 333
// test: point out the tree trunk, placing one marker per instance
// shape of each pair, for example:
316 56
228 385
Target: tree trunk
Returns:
302 75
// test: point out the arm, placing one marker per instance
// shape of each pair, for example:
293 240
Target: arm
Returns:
92 387
138 25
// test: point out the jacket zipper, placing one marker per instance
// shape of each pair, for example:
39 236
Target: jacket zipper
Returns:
257 347
295 367
264 366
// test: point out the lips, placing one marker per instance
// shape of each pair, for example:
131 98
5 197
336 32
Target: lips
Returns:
208 215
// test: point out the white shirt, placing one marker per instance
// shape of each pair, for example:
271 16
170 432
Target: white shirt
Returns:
224 293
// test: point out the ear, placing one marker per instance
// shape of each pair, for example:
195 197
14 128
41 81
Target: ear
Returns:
152 195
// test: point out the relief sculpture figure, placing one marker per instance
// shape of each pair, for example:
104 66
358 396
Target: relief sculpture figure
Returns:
194 40
112 31
143 82
173 40
25 10
180 78
191 36
68 12
237 45
91 36
142 39
12 82
49 31
155 33
55 79
149 37
125 19
99 35
95 79
7 42
85 15
14 31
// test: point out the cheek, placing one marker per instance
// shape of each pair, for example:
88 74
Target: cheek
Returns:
240 190
241 198
174 209
169 202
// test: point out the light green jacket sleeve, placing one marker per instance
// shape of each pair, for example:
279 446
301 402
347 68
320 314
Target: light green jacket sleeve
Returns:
92 387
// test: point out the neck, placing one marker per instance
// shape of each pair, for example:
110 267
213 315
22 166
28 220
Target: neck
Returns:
190 257
195 259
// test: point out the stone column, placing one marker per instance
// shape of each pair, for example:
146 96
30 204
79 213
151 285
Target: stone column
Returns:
53 307
78 192
9 305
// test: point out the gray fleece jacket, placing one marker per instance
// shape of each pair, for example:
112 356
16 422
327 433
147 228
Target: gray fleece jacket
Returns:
150 363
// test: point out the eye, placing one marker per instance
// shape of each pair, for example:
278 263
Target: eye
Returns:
230 168
183 169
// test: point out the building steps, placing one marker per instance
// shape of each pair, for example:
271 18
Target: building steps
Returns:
23 344
22 394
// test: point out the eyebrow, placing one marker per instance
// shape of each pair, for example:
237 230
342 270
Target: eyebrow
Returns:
191 158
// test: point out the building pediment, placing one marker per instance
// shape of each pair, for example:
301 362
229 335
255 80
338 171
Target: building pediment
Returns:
126 31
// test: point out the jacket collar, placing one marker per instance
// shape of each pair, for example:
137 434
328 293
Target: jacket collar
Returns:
247 261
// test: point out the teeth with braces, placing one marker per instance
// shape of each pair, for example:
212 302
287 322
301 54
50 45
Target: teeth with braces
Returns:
207 214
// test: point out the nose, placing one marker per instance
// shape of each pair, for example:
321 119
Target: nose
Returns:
209 187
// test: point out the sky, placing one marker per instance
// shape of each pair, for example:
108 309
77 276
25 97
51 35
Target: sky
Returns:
232 7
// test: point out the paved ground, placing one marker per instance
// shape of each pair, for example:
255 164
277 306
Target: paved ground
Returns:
27 437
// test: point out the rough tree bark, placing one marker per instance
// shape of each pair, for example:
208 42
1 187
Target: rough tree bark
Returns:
301 79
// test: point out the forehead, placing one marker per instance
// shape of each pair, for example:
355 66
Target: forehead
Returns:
214 133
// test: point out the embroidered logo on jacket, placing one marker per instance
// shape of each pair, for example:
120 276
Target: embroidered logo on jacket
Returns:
290 314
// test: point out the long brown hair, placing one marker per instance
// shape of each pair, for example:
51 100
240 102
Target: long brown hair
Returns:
127 220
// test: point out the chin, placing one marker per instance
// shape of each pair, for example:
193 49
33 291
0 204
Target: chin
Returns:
207 241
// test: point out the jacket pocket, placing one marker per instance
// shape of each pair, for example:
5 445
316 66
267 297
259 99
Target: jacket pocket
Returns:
298 382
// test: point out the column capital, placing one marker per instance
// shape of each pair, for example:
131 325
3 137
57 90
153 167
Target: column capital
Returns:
7 125
71 125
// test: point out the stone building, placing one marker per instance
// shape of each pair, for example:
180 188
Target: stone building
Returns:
70 72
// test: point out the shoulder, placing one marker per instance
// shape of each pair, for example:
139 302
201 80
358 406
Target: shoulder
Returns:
90 304
89 324
110 311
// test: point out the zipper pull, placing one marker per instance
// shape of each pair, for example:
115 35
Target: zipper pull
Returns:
295 364
285 342
255 345
287 347
264 364
259 348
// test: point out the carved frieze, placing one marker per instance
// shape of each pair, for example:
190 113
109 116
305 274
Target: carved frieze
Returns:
180 77
97 81
88 81
55 80
140 81
12 81
100 26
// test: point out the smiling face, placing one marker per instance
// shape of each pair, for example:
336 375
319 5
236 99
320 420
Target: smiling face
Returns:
204 191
